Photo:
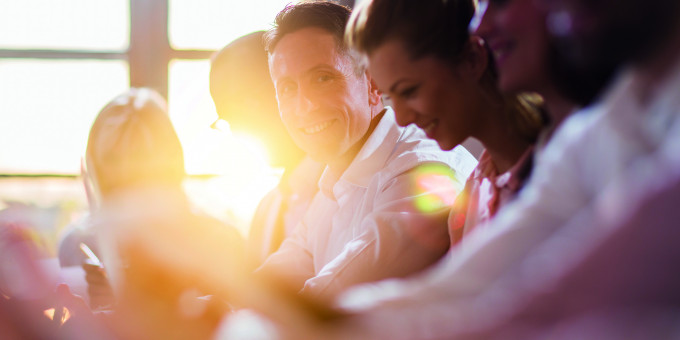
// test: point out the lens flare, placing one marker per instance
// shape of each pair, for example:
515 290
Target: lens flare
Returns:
438 186
60 317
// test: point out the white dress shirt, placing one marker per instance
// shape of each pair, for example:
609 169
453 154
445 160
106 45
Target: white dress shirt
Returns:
366 225
591 167
282 208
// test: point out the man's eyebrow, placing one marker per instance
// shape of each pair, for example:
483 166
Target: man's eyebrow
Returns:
318 67
322 67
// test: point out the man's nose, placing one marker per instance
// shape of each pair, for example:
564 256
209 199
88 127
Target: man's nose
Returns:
306 102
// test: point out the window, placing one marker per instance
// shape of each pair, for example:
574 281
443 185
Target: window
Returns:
62 61
65 25
48 107
211 24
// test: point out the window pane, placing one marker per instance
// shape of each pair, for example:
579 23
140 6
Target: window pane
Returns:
64 24
47 110
211 24
241 162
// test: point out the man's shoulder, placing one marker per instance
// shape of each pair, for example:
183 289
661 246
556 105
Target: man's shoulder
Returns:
414 149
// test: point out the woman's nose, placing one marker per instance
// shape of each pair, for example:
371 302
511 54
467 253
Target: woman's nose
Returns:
403 113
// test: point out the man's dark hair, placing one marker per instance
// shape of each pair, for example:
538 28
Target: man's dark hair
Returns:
324 15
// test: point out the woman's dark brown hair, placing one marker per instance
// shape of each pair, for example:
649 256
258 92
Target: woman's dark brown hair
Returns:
427 27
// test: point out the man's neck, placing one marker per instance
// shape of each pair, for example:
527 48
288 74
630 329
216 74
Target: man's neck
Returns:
342 163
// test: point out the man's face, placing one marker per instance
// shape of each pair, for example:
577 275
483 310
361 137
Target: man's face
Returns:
323 102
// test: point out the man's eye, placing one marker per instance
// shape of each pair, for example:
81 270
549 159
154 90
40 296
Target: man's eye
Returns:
287 88
324 78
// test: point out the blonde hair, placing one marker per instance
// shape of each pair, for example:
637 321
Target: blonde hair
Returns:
132 143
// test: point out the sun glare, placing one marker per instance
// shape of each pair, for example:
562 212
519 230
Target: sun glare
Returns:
64 24
48 107
49 104
240 163
243 176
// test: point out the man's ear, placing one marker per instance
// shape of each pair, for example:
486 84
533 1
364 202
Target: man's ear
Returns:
374 93
475 58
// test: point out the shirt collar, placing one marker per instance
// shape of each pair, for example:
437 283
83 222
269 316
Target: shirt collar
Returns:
512 178
370 159
515 176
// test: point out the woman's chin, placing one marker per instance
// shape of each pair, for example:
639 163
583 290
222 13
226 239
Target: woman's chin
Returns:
445 145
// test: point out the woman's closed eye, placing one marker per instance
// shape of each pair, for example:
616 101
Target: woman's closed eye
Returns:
408 92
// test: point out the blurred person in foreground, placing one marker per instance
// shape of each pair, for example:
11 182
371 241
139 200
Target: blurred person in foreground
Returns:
135 165
386 190
32 304
244 97
608 244
599 174
622 282
131 145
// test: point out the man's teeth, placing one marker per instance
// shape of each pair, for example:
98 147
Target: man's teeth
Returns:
317 128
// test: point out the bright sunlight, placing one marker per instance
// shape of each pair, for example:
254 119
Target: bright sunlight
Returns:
49 135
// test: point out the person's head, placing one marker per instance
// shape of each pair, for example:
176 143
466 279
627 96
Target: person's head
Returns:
515 31
594 38
244 96
610 30
133 144
326 99
438 76
526 55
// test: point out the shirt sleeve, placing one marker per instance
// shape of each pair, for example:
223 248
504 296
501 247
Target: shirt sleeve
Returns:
401 236
292 261
440 302
263 226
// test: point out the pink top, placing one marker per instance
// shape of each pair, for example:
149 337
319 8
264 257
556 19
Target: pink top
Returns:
485 192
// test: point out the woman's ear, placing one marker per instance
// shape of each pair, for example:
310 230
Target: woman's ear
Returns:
374 93
475 58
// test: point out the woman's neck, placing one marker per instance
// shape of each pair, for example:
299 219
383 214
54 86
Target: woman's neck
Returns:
504 145
557 105
505 148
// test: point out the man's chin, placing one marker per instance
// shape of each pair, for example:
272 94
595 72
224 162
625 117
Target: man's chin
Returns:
322 158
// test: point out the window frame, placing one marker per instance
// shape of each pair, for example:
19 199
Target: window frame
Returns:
148 55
